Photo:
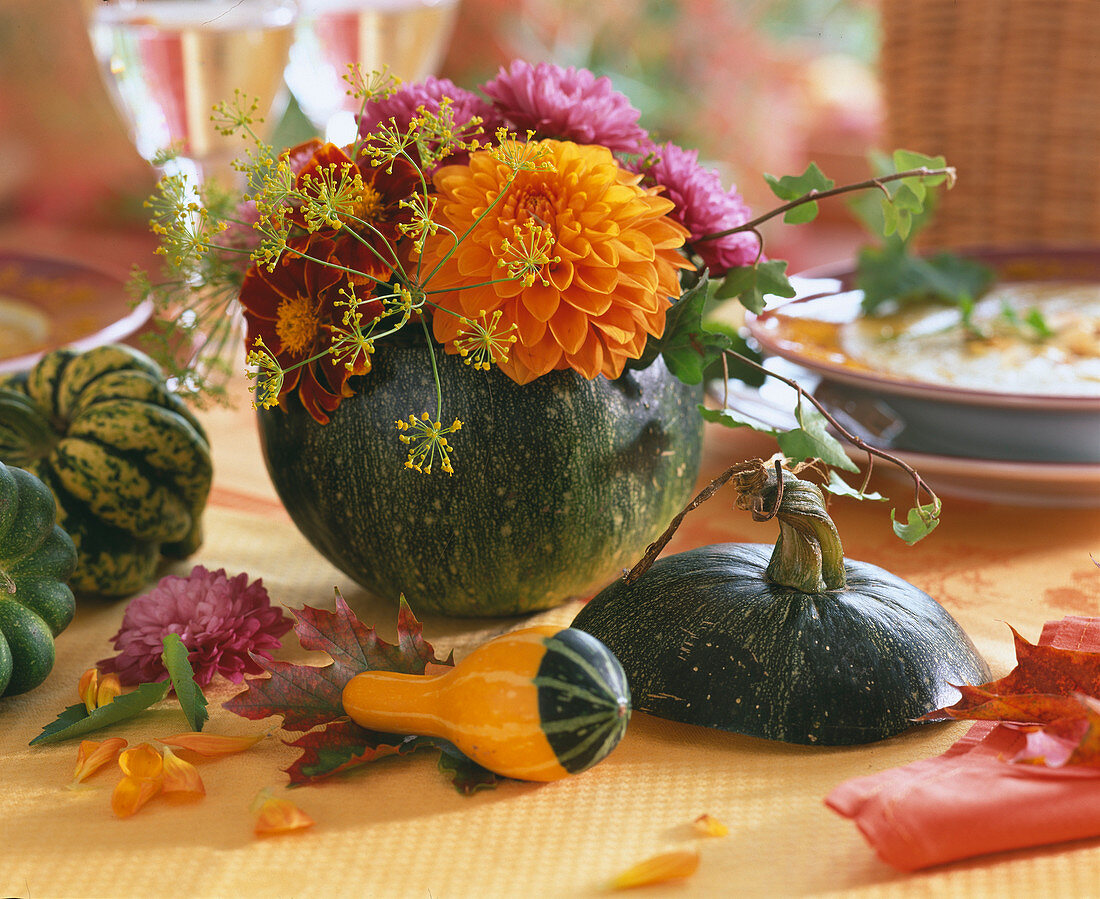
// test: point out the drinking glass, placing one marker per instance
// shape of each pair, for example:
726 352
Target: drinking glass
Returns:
408 36
168 62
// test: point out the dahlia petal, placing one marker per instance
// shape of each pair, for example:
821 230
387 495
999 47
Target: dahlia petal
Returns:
569 327
131 794
181 776
542 302
94 755
212 745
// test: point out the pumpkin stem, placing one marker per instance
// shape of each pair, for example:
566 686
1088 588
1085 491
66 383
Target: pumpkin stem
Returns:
808 555
7 583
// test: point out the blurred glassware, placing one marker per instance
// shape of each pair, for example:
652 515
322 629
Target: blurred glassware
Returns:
408 36
168 62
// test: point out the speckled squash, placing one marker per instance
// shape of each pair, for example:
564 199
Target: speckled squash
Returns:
36 559
791 642
127 462
557 485
538 704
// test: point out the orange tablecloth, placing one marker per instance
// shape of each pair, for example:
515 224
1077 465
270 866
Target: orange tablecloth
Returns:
398 829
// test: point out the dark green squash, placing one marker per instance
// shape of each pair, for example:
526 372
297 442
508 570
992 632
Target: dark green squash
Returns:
127 462
558 483
791 643
36 559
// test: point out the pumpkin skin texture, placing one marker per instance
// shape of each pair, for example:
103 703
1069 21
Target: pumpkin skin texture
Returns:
706 637
538 704
127 462
558 483
36 559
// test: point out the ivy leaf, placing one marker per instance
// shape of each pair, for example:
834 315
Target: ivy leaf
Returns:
182 675
811 440
793 187
688 345
71 724
891 272
839 487
919 523
309 696
905 198
751 283
466 774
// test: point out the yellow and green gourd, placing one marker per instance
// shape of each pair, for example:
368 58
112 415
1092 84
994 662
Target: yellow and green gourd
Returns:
537 704
127 462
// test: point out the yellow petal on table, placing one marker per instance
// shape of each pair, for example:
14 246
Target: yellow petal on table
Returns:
275 816
132 793
211 745
181 776
142 762
87 687
109 688
93 755
662 868
709 826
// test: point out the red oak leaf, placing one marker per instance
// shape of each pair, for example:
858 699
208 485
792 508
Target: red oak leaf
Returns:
1041 688
309 696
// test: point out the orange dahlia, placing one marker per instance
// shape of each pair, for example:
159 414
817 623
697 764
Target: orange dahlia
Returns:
613 268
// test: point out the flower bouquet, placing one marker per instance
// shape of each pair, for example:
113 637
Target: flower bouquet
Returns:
512 284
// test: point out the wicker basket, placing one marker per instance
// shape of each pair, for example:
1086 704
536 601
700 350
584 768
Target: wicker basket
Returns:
1009 92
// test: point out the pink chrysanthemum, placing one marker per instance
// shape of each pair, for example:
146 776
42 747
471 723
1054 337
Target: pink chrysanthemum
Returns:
703 206
566 104
403 105
221 620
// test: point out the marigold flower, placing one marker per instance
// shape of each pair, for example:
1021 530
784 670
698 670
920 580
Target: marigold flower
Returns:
616 267
222 621
93 755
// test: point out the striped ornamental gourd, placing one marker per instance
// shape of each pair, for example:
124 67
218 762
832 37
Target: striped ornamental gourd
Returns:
537 704
127 462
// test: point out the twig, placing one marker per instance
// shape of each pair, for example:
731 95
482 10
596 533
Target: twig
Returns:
815 195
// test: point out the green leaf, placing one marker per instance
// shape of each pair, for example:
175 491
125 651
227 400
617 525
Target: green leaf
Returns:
69 724
191 698
795 187
919 523
811 440
736 355
905 199
731 419
1035 319
891 273
466 774
689 346
839 487
751 283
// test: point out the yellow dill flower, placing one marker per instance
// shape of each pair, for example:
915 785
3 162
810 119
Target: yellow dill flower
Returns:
526 258
427 440
268 376
481 344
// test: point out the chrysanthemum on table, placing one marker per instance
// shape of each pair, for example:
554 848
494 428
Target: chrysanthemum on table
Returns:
533 225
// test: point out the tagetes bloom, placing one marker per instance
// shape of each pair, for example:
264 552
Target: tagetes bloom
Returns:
614 262
276 816
93 755
366 200
292 308
143 777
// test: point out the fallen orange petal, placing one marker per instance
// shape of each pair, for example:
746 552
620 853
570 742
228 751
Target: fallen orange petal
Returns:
211 745
181 776
132 793
709 826
659 869
86 689
92 756
142 762
109 688
275 816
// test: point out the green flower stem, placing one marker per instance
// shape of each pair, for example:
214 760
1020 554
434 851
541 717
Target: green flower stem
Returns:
435 372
